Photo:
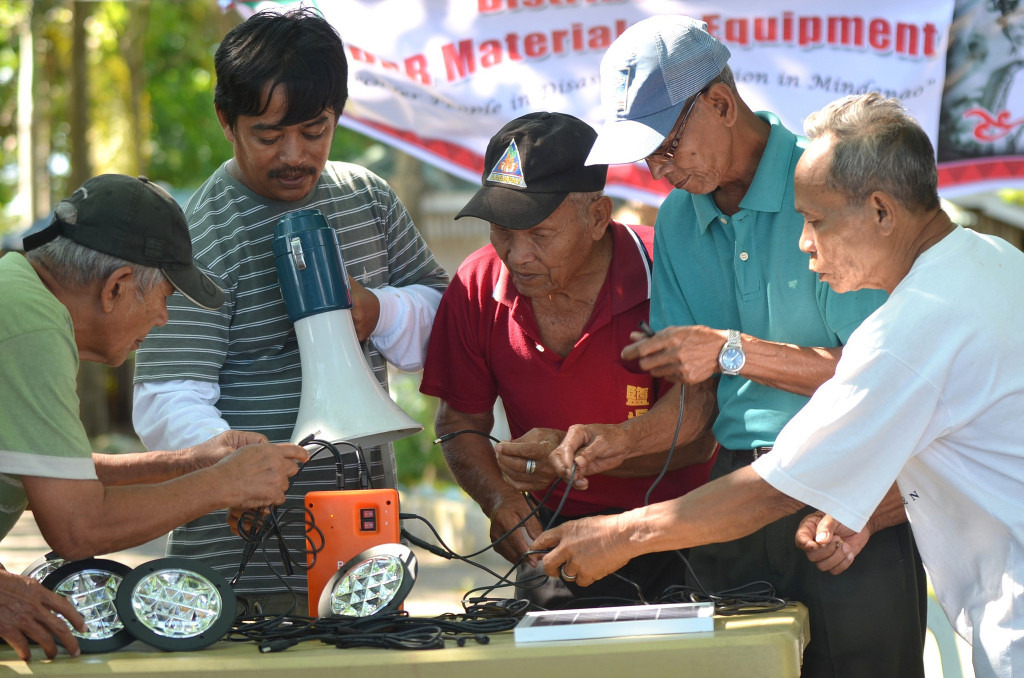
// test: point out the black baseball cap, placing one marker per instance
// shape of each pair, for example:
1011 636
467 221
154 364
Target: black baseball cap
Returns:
531 164
135 220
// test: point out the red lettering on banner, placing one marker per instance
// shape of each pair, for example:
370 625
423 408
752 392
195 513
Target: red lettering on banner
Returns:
535 45
991 128
600 38
462 59
736 31
512 44
878 35
559 40
490 54
811 31
846 31
766 29
492 6
787 28
458 62
414 67
360 55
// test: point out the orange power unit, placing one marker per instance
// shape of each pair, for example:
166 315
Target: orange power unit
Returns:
352 521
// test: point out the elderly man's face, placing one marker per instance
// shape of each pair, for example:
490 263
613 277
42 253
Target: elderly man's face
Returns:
844 244
131 320
280 163
699 162
544 260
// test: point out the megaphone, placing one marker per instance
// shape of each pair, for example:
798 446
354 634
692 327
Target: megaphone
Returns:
341 399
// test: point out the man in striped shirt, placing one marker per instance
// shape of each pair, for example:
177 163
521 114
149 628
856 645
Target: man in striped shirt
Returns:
281 87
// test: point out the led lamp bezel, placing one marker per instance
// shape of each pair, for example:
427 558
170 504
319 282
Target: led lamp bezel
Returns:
55 579
402 554
142 631
42 566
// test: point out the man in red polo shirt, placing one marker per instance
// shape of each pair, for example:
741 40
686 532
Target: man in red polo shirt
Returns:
539 319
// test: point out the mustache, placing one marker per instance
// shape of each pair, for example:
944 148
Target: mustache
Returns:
291 172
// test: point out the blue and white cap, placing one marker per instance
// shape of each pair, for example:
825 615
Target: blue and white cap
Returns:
646 76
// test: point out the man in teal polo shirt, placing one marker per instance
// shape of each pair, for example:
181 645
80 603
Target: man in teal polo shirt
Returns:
734 301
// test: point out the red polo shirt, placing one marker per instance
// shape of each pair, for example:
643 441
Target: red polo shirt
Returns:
485 343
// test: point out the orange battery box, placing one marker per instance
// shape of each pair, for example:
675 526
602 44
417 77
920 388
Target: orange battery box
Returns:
352 521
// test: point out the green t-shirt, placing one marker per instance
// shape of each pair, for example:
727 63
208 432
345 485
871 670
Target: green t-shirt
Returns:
746 272
40 430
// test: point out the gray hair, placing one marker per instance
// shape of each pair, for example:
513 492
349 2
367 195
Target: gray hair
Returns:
75 266
878 147
580 202
726 78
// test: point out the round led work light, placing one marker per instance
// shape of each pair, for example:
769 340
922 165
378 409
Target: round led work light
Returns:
91 585
374 582
42 566
176 604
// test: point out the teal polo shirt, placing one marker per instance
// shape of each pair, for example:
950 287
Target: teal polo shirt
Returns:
746 272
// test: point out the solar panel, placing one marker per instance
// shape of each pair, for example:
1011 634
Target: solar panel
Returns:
609 622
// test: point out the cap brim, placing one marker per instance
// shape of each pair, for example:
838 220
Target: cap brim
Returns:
620 142
511 208
196 286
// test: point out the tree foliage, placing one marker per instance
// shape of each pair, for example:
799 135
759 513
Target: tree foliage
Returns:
150 92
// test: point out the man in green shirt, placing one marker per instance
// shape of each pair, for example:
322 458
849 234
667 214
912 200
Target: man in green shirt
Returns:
91 286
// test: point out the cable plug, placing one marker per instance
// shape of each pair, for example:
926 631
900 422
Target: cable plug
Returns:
277 645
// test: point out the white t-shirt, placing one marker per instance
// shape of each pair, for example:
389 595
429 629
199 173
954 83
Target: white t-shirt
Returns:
930 392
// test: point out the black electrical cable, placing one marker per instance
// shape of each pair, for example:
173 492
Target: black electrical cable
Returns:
392 631
402 632
671 449
753 597
256 530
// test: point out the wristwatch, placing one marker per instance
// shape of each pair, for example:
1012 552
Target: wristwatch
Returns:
732 358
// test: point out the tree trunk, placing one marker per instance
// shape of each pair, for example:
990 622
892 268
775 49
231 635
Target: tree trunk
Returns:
92 377
132 46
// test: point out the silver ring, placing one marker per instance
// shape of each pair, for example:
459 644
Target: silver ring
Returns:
564 576
531 466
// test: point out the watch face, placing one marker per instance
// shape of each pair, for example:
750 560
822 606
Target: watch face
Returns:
732 359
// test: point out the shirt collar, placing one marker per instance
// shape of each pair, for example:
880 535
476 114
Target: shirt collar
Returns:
767 191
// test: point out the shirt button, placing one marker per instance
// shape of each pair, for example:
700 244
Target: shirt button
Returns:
744 256
723 220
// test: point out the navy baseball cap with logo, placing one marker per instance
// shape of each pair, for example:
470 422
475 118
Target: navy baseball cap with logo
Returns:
531 164
135 220
647 75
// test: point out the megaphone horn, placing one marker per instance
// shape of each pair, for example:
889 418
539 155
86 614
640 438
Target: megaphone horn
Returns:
341 398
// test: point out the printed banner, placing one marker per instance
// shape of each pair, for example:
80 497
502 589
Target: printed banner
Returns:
437 78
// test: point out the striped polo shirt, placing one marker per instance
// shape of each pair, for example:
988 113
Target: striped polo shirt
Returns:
249 347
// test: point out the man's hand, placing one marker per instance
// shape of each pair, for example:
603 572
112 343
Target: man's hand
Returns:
27 613
365 309
829 544
593 448
537 445
508 512
257 475
221 445
687 355
235 514
587 549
